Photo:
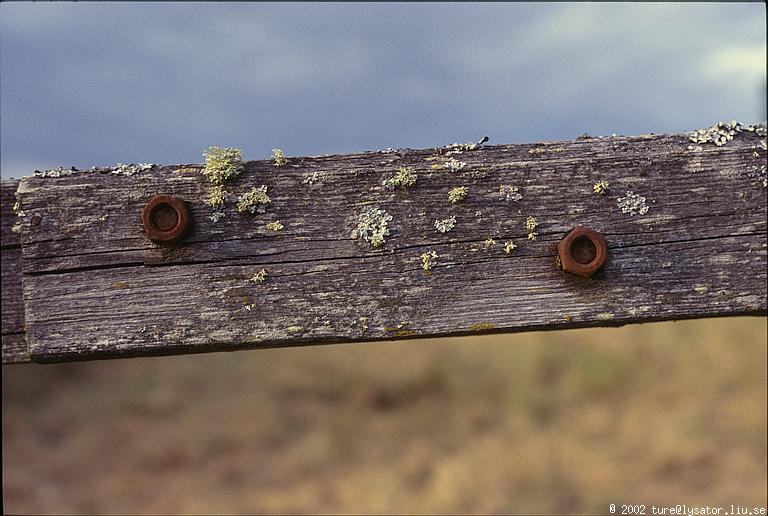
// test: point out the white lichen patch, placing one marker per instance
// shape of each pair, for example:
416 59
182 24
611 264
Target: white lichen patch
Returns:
458 148
454 165
605 316
632 203
600 187
56 172
134 168
216 216
428 260
258 277
719 134
278 157
372 225
445 225
310 178
222 164
404 178
510 193
16 227
531 224
509 246
275 226
457 194
255 201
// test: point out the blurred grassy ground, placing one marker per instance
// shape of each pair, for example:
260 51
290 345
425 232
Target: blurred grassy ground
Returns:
554 422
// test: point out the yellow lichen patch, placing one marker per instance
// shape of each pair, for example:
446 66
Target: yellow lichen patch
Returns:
294 329
457 194
600 187
119 285
405 177
605 316
222 164
509 246
278 157
259 277
275 226
428 260
489 242
483 326
531 224
186 170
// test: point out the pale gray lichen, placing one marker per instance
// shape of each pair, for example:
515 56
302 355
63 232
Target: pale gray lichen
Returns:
509 246
222 164
56 172
216 216
133 168
458 148
510 193
372 225
457 194
454 165
405 177
258 277
278 157
275 226
255 201
428 260
445 225
719 134
531 224
632 203
601 187
310 178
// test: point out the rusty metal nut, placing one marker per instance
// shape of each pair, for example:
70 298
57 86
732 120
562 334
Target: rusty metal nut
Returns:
165 218
582 252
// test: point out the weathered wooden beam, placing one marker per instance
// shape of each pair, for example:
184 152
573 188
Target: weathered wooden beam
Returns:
95 286
14 342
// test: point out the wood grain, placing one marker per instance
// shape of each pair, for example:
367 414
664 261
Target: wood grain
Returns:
96 287
14 342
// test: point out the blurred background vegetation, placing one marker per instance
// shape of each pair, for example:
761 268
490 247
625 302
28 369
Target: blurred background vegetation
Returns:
550 422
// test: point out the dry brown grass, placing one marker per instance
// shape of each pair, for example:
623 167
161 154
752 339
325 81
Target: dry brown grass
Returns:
558 422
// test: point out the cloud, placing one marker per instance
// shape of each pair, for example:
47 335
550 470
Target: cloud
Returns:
87 84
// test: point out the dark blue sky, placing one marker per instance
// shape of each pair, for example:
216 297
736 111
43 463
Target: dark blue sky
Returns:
94 84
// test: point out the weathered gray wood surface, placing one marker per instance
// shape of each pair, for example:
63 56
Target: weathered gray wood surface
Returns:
96 287
14 342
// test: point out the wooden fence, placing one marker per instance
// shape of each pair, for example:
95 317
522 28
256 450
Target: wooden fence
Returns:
384 245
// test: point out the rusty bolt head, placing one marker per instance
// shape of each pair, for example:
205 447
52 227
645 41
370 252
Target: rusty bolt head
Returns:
165 218
582 251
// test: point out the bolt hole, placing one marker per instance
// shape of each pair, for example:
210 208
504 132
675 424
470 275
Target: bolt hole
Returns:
583 250
164 217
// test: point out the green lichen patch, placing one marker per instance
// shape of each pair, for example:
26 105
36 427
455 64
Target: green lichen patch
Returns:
222 164
404 178
457 194
372 225
255 201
